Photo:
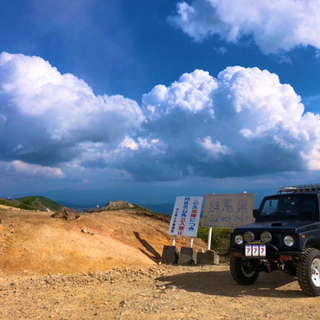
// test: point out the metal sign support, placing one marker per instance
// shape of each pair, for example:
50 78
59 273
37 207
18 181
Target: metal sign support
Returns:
209 238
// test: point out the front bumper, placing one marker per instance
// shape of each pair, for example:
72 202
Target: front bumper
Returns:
271 252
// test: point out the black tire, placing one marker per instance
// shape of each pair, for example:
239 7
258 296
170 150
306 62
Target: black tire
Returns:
244 272
308 272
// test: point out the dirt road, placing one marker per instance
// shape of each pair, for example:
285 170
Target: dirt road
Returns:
162 292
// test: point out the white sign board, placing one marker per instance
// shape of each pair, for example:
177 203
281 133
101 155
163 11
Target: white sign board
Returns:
185 216
228 210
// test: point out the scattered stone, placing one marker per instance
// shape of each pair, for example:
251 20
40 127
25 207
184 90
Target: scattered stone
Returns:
123 303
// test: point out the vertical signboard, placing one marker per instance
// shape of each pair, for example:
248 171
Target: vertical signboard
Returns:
185 216
228 210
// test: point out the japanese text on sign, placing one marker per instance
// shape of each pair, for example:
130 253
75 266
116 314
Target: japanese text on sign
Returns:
186 216
228 210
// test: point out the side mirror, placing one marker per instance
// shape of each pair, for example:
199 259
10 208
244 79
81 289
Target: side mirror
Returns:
255 213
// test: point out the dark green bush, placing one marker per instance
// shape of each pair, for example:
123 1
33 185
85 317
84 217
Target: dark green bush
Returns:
220 240
6 203
26 204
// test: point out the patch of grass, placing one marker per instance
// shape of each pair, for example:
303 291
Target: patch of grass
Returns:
26 204
220 241
38 203
32 203
6 203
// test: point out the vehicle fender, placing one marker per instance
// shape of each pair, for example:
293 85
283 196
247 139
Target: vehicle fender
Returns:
311 241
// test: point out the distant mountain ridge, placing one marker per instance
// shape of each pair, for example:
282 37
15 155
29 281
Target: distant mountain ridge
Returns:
41 203
76 206
165 208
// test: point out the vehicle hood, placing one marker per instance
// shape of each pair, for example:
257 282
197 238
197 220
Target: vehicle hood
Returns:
278 225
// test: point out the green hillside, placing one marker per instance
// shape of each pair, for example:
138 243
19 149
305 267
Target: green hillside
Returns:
32 203
8 203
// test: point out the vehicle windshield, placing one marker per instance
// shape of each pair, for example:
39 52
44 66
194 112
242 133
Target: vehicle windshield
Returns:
289 207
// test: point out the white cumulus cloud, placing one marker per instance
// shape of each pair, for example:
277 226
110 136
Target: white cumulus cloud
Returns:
36 170
214 149
190 92
129 143
274 25
243 122
45 116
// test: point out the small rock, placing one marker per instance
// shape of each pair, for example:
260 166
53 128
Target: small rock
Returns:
123 303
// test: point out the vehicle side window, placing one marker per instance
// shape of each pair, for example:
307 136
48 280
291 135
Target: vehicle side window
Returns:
309 206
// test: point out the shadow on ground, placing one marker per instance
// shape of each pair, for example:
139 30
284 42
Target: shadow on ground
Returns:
275 285
152 253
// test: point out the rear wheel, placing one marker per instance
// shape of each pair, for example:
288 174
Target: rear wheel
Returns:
309 272
244 272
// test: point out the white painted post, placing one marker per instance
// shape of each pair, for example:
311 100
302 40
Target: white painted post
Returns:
209 238
174 241
191 242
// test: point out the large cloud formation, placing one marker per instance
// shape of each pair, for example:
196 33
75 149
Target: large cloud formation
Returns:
274 25
243 122
46 117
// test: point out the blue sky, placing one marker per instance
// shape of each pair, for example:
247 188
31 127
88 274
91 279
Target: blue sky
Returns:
148 100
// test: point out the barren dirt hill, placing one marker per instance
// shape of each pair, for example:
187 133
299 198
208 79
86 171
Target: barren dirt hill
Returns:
32 242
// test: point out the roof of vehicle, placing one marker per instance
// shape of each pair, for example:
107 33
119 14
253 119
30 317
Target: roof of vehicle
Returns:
300 188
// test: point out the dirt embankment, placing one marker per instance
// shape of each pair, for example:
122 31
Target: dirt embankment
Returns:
32 242
104 266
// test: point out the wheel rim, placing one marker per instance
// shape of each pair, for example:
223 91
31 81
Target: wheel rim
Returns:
315 272
248 271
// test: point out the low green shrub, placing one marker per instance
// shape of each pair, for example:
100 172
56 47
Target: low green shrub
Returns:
26 204
6 203
220 241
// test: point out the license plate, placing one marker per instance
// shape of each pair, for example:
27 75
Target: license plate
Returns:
255 250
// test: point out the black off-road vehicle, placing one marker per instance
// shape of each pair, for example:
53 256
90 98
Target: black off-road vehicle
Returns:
285 236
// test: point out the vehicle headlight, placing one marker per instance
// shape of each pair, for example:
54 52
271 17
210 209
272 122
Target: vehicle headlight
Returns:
249 236
238 239
266 237
288 241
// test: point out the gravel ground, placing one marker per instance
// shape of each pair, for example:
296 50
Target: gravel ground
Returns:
161 292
